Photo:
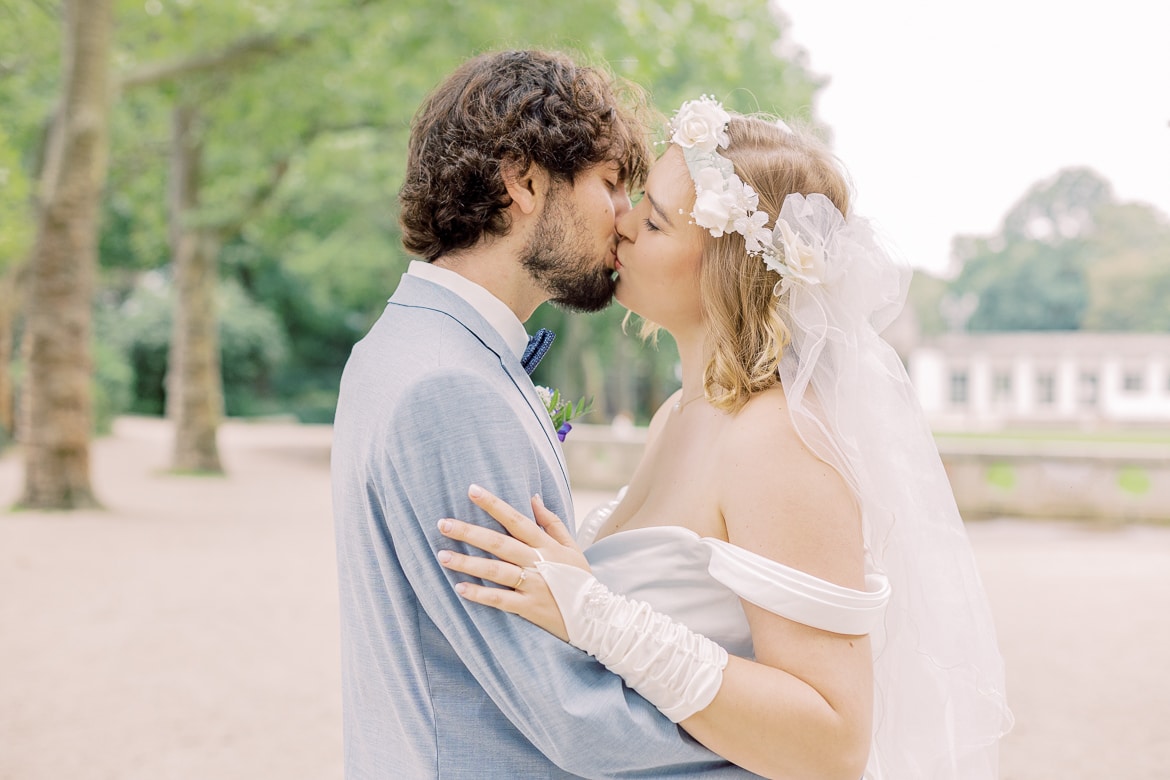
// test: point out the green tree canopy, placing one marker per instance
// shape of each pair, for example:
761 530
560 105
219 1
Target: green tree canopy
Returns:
16 225
1069 256
1031 275
305 107
1129 270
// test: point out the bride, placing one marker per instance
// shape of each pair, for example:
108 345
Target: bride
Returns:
786 575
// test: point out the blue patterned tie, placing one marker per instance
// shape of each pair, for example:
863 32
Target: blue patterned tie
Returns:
537 347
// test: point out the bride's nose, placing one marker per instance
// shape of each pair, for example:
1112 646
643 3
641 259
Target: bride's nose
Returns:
626 225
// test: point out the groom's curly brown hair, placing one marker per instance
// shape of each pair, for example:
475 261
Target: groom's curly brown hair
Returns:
515 108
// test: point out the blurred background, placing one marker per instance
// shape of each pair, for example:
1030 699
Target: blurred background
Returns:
198 220
266 139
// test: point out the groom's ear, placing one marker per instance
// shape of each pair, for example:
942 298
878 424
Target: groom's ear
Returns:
527 187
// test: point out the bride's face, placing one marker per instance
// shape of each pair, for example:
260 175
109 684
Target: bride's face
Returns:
660 249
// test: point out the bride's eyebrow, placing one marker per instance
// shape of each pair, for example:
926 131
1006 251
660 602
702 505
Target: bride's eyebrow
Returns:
658 208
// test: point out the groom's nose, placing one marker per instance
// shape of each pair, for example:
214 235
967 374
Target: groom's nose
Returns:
626 224
621 204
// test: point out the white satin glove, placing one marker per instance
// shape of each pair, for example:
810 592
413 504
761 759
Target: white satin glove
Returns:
672 667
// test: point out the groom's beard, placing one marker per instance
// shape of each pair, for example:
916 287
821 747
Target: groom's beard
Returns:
557 257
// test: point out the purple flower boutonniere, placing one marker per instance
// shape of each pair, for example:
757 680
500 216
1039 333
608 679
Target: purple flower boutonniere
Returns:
562 411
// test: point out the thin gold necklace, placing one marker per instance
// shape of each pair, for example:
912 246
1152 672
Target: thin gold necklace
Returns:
680 403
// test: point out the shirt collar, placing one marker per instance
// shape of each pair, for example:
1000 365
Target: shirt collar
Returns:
491 308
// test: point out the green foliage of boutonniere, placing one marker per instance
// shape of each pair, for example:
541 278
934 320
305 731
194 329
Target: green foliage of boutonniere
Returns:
562 411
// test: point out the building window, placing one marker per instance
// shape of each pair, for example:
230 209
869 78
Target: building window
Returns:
959 386
1045 388
1001 387
1133 381
1088 393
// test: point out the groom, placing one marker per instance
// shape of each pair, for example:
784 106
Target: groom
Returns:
517 170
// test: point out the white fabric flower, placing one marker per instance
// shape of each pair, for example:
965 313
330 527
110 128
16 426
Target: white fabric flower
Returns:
713 211
801 260
755 235
710 179
746 198
700 124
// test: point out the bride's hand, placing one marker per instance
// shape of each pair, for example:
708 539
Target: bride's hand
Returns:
524 591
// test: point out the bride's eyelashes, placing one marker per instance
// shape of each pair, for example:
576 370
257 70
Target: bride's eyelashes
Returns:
650 225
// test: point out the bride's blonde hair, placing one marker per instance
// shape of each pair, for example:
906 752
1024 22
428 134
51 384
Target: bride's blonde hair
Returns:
746 328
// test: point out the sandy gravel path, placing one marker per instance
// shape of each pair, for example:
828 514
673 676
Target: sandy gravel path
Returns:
189 629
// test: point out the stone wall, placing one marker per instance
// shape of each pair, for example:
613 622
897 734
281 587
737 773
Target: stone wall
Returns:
603 457
1095 481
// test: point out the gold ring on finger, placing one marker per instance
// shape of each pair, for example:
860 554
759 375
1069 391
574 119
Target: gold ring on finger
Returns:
519 582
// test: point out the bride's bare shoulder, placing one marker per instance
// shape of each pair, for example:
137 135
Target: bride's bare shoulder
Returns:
762 422
780 500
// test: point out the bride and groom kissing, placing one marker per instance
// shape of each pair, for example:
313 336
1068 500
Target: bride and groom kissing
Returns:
765 598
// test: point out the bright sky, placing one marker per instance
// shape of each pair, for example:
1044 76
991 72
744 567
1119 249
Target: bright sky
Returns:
946 113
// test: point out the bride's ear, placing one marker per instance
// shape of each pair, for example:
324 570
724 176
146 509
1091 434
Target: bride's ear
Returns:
527 188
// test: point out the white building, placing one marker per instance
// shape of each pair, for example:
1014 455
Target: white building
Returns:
969 381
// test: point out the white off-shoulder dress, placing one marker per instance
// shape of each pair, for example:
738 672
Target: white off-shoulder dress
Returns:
699 582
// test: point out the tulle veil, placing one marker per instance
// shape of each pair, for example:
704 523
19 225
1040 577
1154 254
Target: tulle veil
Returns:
940 706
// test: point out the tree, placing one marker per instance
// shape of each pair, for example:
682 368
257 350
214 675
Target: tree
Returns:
194 377
194 384
1032 274
324 249
57 404
925 298
301 128
1069 256
1063 208
1129 270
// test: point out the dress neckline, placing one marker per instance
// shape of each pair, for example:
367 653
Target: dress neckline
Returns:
877 584
650 528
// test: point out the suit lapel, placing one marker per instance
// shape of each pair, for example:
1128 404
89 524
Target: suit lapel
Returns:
420 293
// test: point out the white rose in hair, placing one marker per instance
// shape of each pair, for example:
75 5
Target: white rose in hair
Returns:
710 179
713 211
802 261
700 124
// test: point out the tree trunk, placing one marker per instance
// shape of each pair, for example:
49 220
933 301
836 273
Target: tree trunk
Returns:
194 386
56 400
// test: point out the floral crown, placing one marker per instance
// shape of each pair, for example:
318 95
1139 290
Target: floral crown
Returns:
724 203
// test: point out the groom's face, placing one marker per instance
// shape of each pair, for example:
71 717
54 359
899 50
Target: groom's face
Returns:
571 252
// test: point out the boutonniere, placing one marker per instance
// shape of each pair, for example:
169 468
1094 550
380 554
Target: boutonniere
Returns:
562 411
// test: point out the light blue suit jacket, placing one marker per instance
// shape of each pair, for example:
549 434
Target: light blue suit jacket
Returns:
431 401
